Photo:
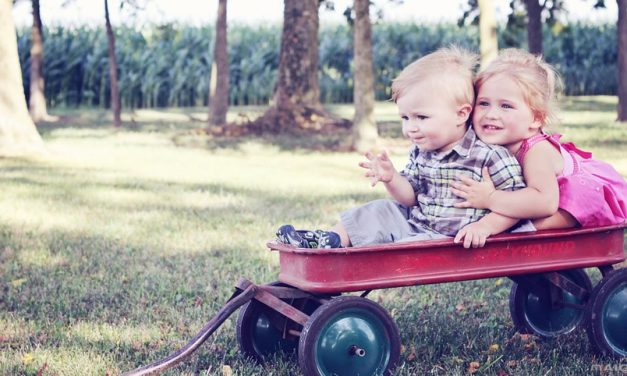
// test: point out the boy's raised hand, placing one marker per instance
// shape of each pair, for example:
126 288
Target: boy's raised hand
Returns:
477 194
380 167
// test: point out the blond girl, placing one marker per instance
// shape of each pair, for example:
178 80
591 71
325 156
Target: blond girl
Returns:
516 101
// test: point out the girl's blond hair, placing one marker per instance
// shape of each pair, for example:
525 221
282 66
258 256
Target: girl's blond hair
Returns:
538 80
452 67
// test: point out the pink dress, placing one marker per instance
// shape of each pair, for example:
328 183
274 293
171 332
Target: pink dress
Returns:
591 191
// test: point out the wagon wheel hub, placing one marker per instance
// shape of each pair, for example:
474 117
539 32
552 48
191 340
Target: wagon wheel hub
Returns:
356 350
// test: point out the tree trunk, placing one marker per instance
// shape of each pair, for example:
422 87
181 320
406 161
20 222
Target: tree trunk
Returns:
534 26
622 60
219 91
298 61
365 133
18 135
116 105
296 101
37 99
488 41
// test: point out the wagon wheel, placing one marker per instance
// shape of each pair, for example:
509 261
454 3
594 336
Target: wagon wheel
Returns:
349 336
607 315
262 331
533 312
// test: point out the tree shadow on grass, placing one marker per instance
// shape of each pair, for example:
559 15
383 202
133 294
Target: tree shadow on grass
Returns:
55 275
101 281
91 119
67 185
337 140
187 130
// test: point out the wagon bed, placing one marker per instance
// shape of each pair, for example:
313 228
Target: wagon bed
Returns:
437 261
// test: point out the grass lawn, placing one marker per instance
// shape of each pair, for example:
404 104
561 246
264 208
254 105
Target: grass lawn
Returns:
117 248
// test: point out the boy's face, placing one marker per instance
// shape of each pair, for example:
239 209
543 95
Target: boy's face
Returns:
502 116
430 118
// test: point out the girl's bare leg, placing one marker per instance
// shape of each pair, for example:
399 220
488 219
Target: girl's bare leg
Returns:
561 219
341 231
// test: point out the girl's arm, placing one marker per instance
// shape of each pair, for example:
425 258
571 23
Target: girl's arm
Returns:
475 234
540 198
561 219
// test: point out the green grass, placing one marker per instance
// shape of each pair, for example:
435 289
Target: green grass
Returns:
117 248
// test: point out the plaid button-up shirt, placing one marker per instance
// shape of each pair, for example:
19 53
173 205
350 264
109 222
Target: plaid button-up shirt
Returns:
431 174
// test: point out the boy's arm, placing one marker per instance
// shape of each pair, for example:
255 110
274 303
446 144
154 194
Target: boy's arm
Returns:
476 233
401 190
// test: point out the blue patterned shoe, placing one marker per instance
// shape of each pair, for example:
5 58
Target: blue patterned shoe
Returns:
311 237
328 239
288 235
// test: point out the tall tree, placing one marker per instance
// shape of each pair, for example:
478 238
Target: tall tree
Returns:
531 17
296 100
365 134
298 61
622 59
18 135
488 42
219 90
116 105
621 52
37 98
534 26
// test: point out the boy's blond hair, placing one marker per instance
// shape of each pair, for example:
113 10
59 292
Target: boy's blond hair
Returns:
452 67
538 80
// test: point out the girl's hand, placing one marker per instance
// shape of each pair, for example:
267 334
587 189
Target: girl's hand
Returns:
380 168
474 235
477 194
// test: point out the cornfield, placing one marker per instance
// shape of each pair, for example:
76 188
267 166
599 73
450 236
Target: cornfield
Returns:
169 65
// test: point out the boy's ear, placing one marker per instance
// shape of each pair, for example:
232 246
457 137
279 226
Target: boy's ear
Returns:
463 112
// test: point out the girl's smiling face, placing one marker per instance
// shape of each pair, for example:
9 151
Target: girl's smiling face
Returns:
502 116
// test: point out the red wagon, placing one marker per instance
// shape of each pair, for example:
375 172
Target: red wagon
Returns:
304 310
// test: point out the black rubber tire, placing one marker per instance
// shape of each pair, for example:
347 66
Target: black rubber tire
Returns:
250 345
609 344
334 310
519 296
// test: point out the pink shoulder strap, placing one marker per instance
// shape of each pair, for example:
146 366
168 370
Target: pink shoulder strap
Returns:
527 144
566 150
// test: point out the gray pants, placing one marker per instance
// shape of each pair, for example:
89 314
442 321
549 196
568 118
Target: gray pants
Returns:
387 221
383 221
